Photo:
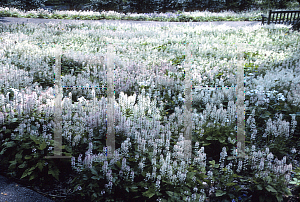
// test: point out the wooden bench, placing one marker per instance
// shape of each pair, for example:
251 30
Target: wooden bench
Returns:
281 17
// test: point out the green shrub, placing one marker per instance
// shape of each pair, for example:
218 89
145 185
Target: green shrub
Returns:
296 25
23 156
26 4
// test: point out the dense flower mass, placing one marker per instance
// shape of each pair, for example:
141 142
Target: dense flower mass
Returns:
154 86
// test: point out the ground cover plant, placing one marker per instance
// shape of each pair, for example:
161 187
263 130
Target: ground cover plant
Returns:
149 102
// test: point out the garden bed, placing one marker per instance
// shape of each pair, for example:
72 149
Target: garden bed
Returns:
149 74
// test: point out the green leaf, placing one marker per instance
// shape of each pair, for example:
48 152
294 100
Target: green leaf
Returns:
22 165
220 193
94 172
236 175
118 163
238 188
266 114
13 162
170 193
32 177
295 181
259 187
190 174
10 144
26 172
95 178
43 146
134 189
40 165
14 120
7 131
269 179
34 138
149 193
2 151
230 184
288 192
279 198
18 156
28 157
270 189
54 173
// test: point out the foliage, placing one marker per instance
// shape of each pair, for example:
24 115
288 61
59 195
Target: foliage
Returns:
168 5
229 185
26 4
215 138
296 180
138 189
23 156
270 188
268 4
296 25
100 5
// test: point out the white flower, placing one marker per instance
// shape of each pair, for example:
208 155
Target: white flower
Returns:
209 174
259 153
267 150
148 175
73 161
105 166
284 160
81 99
240 165
145 83
123 163
153 175
121 173
195 189
181 99
270 156
141 165
132 175
157 184
290 167
261 165
287 177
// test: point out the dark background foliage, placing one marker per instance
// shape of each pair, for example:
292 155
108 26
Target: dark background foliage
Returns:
146 6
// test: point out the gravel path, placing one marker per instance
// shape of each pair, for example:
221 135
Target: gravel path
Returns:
14 192
12 20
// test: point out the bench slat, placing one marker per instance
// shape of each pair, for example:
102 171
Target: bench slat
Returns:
289 17
282 17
